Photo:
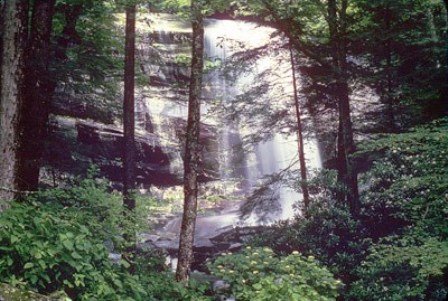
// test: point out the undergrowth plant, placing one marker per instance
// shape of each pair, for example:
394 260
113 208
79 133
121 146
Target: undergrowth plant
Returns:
55 240
259 274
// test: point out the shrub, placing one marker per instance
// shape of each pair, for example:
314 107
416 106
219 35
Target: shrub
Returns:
258 274
330 234
48 248
408 268
55 241
407 185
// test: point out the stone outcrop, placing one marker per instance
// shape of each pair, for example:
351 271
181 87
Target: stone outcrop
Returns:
76 144
86 131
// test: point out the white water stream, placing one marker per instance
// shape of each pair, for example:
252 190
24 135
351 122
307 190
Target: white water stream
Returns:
241 172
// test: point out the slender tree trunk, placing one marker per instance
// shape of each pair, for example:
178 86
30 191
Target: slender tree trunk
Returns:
303 170
37 88
2 11
128 111
11 94
389 94
346 146
389 77
191 160
446 49
69 36
129 131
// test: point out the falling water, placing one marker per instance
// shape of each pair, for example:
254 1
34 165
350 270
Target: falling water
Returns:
222 39
242 172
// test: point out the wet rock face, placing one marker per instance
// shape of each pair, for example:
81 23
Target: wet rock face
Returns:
158 162
153 157
76 142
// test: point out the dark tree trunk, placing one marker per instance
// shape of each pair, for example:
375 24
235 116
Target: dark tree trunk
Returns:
347 174
303 170
15 34
37 88
346 146
69 34
2 7
446 46
389 76
389 94
191 159
128 111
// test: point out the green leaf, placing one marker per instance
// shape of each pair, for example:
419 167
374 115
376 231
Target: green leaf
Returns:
14 239
125 264
68 244
76 255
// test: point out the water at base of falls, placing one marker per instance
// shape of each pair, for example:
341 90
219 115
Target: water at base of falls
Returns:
246 170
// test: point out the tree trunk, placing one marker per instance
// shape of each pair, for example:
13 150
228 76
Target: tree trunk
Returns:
11 94
2 11
192 148
69 33
69 36
36 101
389 76
346 146
303 170
446 46
128 111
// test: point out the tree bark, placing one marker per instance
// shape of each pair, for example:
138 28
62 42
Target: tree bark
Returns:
37 95
128 111
446 46
389 73
302 162
129 132
191 160
69 34
346 147
2 11
11 94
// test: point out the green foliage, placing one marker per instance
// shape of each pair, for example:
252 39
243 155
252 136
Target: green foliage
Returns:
47 247
91 66
406 208
397 250
162 286
330 234
408 185
91 205
55 241
183 60
182 7
258 274
410 268
402 42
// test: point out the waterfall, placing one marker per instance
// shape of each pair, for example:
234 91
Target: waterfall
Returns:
280 152
241 172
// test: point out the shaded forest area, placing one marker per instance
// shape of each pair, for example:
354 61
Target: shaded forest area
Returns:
88 170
